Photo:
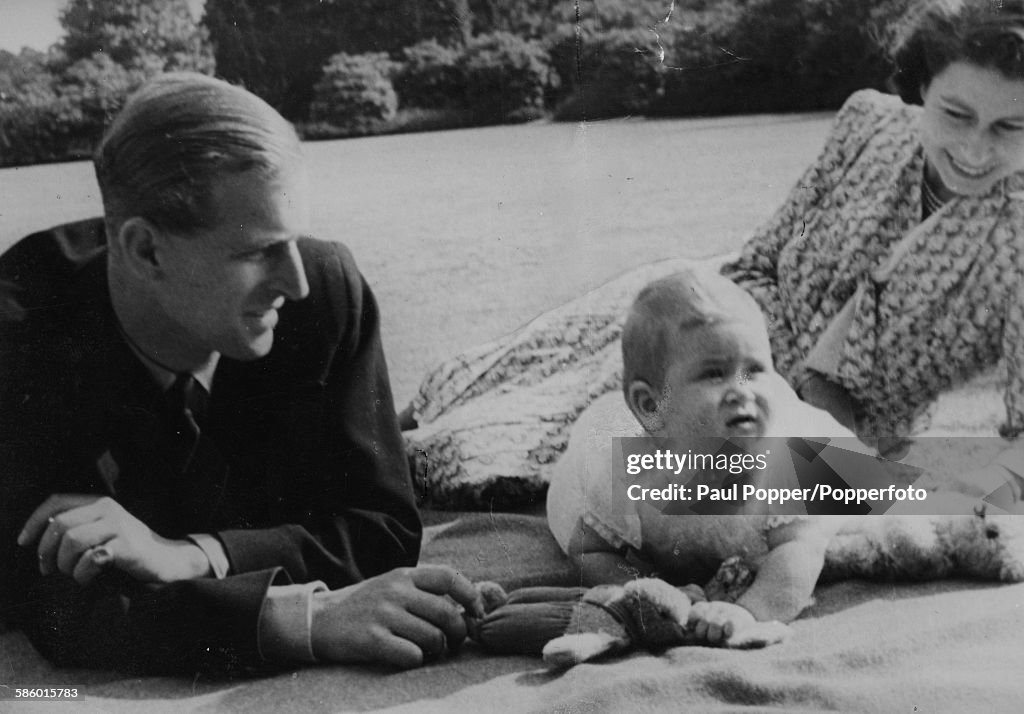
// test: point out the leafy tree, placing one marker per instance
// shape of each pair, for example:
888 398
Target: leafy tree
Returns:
54 107
22 69
527 18
278 48
777 55
133 33
430 76
507 77
615 73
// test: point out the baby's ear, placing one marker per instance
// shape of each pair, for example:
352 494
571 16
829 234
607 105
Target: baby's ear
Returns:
643 402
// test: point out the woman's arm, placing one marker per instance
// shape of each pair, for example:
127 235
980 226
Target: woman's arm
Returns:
756 268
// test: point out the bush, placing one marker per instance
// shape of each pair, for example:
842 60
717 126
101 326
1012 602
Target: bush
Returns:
431 77
99 86
58 118
506 77
355 92
778 55
611 73
37 124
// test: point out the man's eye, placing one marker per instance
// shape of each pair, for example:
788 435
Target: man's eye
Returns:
713 373
268 253
956 115
1009 127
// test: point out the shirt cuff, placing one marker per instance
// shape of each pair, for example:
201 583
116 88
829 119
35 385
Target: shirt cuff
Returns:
214 553
286 622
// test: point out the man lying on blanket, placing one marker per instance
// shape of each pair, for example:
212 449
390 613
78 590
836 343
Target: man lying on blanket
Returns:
200 462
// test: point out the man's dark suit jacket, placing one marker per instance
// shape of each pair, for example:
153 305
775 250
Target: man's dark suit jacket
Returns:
300 471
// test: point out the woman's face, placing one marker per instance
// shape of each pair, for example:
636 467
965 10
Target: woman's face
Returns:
972 127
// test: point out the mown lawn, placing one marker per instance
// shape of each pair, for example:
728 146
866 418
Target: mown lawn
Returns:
467 234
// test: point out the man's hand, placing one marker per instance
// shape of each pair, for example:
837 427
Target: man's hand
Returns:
80 535
716 622
401 618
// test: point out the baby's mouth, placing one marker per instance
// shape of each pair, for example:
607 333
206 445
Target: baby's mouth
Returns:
743 423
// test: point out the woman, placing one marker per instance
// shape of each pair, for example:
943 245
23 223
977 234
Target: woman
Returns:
892 272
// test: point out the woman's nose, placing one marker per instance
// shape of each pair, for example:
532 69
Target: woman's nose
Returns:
976 148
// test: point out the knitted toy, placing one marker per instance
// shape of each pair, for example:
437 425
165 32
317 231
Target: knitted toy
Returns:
572 625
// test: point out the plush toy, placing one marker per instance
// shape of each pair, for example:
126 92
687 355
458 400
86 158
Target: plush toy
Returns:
987 545
572 625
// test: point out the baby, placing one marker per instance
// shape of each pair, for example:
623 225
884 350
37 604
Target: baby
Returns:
697 363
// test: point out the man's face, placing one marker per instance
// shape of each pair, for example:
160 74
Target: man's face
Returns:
222 287
720 383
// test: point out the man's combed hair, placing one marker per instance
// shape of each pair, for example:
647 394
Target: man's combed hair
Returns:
667 308
937 33
175 135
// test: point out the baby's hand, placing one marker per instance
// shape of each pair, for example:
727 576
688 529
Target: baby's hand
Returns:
715 622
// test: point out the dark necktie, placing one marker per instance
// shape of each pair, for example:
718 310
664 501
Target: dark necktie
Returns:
186 405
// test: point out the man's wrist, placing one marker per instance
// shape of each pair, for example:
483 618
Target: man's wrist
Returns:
286 623
191 562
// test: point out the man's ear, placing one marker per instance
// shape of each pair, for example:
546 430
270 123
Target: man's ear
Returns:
139 245
643 401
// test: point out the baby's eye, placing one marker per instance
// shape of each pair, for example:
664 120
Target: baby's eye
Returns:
712 374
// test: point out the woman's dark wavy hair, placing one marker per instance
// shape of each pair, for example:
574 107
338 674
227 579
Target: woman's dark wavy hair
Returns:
987 33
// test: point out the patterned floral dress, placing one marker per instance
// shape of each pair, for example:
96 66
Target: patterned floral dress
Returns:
933 302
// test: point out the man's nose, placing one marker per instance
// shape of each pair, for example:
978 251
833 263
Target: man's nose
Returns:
289 276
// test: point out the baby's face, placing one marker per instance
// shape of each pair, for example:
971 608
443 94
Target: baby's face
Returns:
720 383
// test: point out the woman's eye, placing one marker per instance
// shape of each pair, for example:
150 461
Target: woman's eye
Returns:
713 373
1007 127
956 114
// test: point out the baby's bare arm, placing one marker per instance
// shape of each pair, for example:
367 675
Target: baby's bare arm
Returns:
787 575
596 562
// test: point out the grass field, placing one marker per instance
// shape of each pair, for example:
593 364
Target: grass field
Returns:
467 234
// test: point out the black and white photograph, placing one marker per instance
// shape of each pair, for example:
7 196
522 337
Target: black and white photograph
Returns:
524 356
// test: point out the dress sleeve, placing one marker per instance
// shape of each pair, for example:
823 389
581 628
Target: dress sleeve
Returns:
1013 358
756 268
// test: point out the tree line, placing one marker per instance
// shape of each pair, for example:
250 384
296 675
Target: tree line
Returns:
351 67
